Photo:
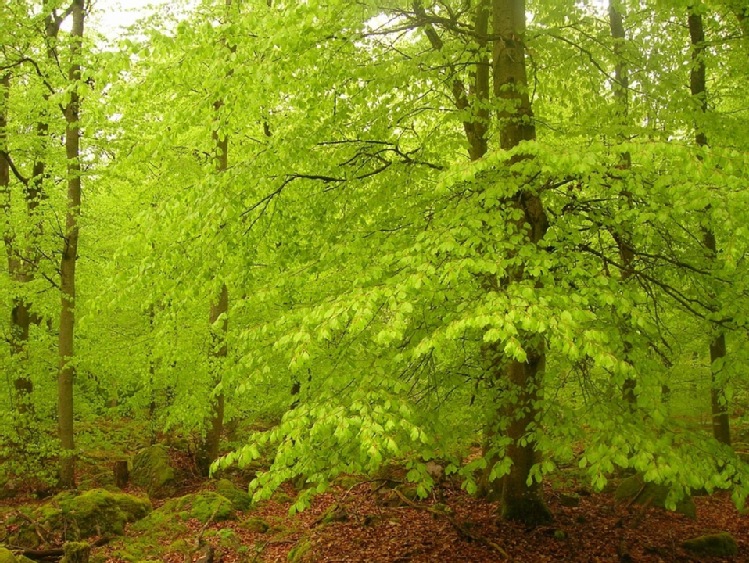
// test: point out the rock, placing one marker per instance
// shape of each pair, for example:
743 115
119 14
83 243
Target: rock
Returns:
95 512
240 500
152 471
712 545
635 489
256 525
6 556
205 506
435 470
76 552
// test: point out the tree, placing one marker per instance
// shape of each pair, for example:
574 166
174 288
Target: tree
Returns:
697 87
70 251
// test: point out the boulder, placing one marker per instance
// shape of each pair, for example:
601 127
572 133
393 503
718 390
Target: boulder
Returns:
712 545
635 489
256 525
153 472
240 500
94 512
205 506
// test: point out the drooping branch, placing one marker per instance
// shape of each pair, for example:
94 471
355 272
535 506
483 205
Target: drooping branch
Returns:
16 172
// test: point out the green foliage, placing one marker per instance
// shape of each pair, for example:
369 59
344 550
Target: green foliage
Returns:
371 267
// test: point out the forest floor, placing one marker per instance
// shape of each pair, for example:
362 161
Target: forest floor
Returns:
371 521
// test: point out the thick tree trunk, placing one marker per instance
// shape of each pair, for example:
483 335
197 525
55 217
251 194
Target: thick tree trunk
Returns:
521 501
697 86
69 256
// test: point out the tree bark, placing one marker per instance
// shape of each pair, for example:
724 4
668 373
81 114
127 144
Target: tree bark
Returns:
70 255
697 85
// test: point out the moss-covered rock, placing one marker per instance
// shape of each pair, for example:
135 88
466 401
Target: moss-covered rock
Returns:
152 471
256 525
712 545
202 506
6 556
76 552
637 490
240 500
95 512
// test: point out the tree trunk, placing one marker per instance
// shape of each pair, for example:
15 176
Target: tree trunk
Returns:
218 310
622 239
218 351
70 256
20 316
697 86
521 501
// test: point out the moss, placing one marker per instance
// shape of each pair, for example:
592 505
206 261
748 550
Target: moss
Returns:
94 512
348 481
334 513
76 552
179 546
240 500
6 556
152 471
713 545
300 551
650 494
203 506
98 512
256 525
228 538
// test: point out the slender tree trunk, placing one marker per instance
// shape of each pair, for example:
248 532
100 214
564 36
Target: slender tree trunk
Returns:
219 327
70 255
697 86
622 239
218 321
20 316
521 501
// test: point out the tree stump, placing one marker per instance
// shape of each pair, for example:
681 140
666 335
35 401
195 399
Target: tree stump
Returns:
121 473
